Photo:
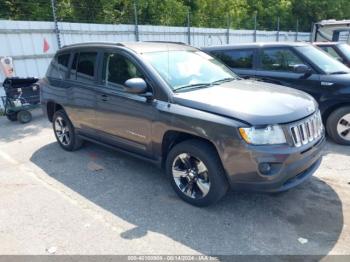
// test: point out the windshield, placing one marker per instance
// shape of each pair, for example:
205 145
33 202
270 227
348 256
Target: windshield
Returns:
345 49
321 59
184 68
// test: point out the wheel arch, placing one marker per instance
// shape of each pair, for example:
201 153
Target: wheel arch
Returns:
51 108
331 109
174 137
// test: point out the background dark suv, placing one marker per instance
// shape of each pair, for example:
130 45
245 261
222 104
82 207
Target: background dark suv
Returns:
301 66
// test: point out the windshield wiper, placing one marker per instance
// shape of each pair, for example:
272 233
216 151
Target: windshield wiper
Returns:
198 85
228 79
339 73
201 85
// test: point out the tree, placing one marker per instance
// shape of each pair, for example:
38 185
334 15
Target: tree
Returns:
309 11
204 13
24 10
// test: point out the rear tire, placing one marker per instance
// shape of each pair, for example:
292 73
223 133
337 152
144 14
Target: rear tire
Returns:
12 117
65 132
24 116
196 173
338 125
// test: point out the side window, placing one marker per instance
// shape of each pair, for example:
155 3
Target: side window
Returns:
63 61
236 58
279 59
330 50
117 69
86 66
59 66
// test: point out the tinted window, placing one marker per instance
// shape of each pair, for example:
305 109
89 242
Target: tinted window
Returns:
326 63
345 49
279 59
59 66
86 66
117 69
330 50
236 58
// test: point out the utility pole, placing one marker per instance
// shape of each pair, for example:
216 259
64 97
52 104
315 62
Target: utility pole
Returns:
297 30
278 30
56 30
136 22
188 27
228 29
255 26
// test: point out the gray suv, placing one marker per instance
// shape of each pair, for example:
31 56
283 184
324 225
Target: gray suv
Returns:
175 106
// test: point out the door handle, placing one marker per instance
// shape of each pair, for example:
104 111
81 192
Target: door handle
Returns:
104 97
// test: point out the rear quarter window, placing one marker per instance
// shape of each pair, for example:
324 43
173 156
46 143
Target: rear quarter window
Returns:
236 58
59 66
83 67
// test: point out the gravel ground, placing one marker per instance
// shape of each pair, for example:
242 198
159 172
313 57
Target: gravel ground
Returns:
97 201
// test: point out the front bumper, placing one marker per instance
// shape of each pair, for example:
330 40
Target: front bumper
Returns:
290 166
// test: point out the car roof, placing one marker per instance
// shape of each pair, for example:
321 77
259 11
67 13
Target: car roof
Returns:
254 45
138 47
327 43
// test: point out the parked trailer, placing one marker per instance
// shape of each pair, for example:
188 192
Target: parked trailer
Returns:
331 31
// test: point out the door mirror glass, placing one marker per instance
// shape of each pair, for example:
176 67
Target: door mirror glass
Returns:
135 86
301 69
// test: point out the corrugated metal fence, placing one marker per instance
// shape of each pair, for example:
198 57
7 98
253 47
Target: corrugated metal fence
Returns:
24 40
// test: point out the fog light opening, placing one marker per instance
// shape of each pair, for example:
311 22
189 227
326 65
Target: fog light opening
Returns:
265 168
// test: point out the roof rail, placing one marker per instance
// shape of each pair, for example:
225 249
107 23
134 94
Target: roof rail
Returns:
93 43
169 42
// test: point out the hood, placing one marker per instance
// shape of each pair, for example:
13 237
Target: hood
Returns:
256 103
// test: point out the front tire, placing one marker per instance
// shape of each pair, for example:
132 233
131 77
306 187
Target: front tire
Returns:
64 132
338 125
196 173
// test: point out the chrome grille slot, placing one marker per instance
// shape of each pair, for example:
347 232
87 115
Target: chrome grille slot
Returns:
307 130
304 136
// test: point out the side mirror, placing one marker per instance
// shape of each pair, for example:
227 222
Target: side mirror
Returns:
303 69
135 86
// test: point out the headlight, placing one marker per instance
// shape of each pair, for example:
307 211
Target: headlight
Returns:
263 136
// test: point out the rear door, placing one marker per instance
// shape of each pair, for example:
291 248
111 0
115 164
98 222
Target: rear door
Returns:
81 91
240 61
276 65
124 119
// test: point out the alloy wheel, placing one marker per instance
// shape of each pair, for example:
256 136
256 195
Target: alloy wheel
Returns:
62 131
343 127
191 176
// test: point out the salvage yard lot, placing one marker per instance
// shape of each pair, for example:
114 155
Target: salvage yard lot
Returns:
98 201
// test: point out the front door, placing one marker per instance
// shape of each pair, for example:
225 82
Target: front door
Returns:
276 65
124 119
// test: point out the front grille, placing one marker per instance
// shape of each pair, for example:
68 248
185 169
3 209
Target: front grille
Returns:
307 130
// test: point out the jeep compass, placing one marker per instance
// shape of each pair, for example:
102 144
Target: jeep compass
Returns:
173 105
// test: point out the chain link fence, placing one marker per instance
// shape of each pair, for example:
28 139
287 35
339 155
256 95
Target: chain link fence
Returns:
168 20
32 44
